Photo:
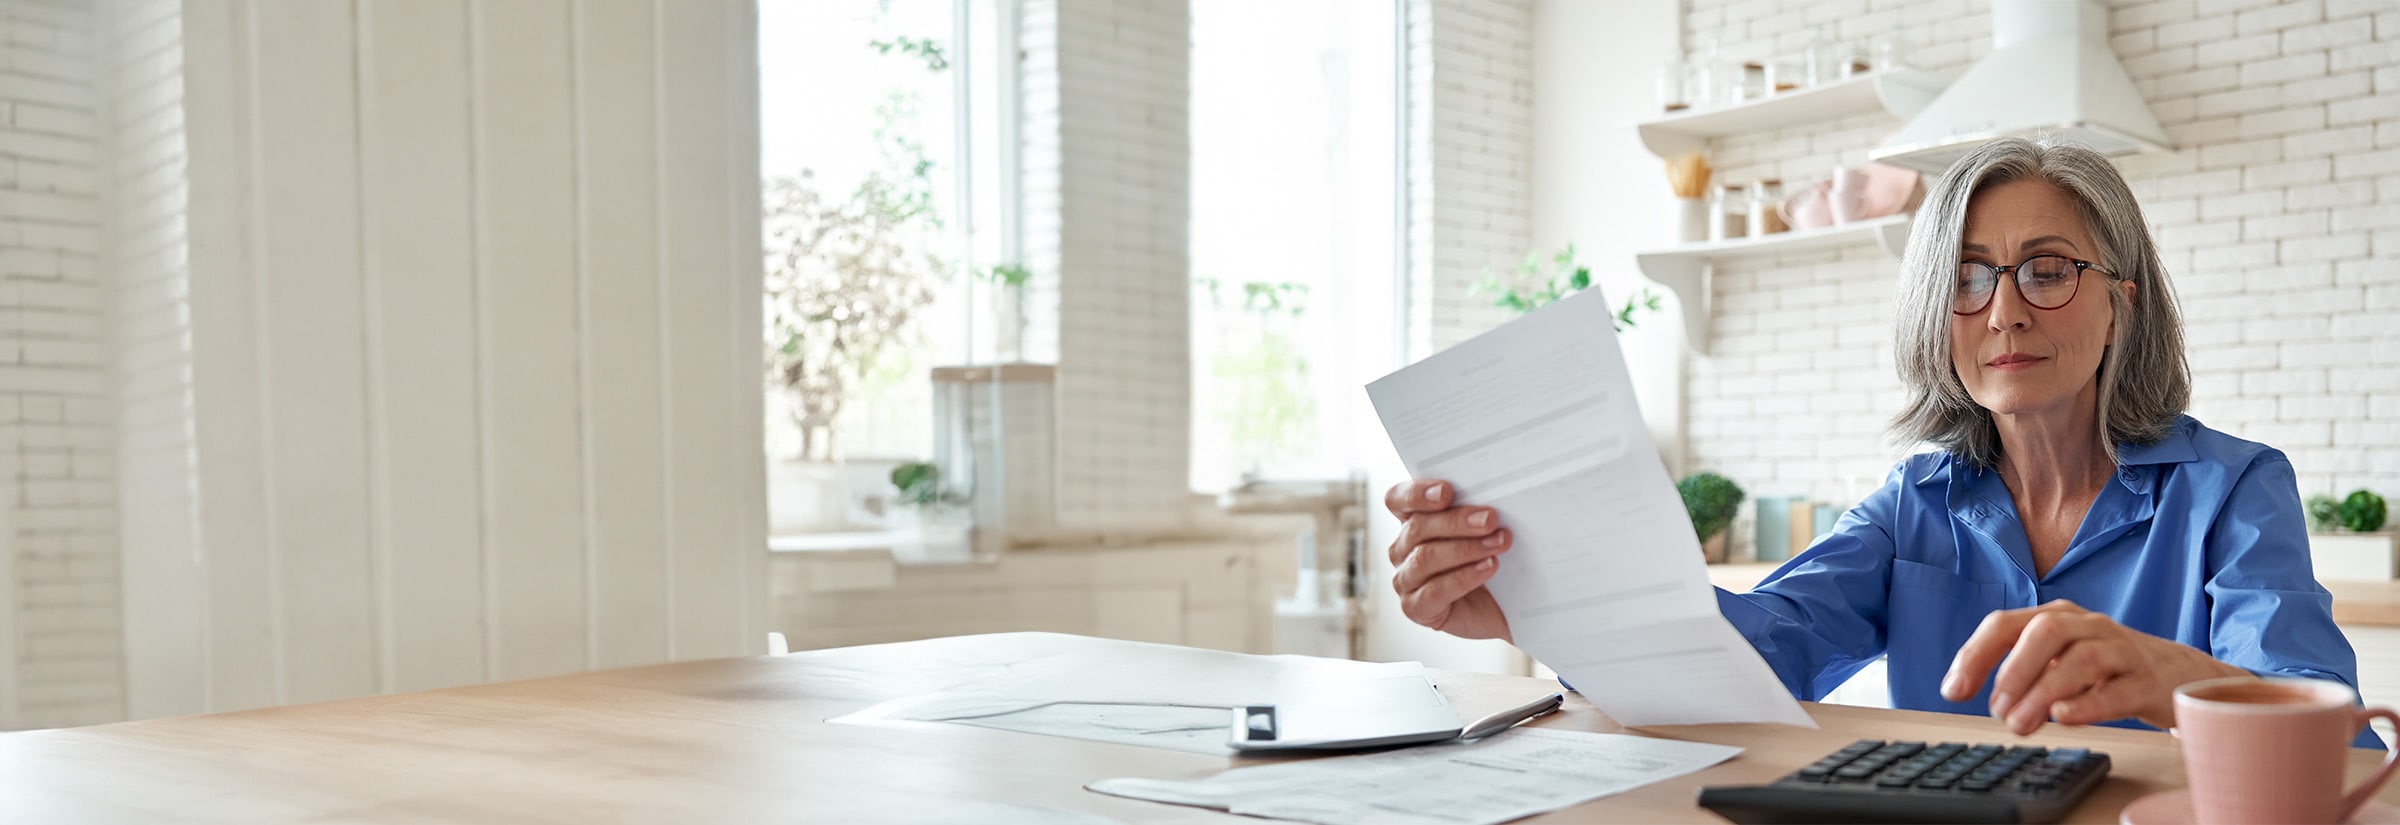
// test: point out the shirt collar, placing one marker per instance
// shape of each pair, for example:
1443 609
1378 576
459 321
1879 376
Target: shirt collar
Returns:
2175 448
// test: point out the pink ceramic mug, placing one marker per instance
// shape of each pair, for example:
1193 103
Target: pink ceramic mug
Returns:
2272 750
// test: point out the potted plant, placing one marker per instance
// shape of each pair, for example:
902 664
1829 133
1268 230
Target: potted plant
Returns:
845 278
933 518
1008 308
1711 500
2344 541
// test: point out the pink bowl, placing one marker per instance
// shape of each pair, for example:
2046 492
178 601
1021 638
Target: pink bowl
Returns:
1890 190
1807 208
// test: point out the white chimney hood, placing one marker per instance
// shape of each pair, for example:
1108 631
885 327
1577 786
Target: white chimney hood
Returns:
2050 74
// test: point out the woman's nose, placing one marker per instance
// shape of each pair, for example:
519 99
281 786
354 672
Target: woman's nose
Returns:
2009 310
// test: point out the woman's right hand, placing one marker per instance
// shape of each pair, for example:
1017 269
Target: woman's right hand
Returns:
1442 559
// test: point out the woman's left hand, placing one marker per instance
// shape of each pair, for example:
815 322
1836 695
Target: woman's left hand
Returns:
2076 667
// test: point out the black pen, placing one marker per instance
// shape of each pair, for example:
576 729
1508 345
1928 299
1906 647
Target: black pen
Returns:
1509 718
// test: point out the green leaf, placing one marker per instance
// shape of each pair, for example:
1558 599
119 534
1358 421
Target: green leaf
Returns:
1711 500
919 482
2362 512
1582 279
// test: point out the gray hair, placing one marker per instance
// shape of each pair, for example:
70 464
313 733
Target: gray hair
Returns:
2144 382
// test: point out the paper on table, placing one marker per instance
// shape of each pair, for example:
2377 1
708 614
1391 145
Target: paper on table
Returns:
1169 727
1157 696
1511 775
1604 583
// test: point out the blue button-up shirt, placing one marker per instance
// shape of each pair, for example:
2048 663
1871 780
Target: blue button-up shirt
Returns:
2198 539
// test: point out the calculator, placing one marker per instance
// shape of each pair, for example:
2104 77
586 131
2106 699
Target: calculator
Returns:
1876 781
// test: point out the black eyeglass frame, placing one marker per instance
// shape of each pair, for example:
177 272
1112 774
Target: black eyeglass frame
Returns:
2014 277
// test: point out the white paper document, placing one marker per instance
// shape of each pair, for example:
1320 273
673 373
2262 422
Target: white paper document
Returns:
1150 695
1508 776
1604 583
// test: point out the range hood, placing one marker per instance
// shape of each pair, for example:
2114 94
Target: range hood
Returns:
2050 74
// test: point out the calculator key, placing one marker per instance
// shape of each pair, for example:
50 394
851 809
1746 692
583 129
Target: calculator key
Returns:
1937 781
1976 785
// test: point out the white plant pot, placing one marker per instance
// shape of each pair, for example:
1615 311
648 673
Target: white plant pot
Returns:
805 497
2371 557
944 536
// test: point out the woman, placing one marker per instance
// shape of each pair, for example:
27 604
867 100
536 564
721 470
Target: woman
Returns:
2076 530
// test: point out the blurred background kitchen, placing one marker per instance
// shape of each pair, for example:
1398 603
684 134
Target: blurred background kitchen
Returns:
378 345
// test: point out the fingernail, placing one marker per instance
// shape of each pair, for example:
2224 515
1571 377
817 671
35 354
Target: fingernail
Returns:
1435 492
1480 519
2000 702
1950 687
1486 564
1495 539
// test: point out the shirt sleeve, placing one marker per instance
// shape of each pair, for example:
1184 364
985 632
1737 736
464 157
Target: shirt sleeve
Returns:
2267 614
1819 618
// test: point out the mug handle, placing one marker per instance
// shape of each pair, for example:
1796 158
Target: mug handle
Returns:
2358 798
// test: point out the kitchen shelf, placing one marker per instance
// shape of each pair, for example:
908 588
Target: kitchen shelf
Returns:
1901 91
1688 269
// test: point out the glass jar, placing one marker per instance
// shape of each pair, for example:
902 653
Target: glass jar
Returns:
1852 59
1765 197
1817 61
1751 82
1786 75
1729 213
1671 79
1886 52
1704 78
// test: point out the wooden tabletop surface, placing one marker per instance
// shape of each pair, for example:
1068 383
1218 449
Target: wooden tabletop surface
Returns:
743 740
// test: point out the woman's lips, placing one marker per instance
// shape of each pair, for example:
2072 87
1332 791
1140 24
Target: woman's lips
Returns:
2014 361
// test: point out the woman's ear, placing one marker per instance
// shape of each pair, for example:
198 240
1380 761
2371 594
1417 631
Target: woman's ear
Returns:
2126 286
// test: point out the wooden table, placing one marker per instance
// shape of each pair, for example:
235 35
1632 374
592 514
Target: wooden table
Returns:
741 740
2374 604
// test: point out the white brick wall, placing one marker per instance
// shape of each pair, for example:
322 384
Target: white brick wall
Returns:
1107 223
2278 216
57 442
1470 104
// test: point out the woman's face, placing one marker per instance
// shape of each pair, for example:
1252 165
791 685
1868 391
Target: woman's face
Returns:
2013 357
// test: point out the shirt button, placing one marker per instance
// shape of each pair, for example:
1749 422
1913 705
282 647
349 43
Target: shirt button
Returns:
2127 475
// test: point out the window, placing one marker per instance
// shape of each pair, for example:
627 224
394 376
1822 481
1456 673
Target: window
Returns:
1293 186
881 144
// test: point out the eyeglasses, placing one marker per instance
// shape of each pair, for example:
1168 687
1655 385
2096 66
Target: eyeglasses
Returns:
2044 281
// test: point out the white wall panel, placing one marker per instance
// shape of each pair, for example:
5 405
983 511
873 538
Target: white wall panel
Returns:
474 354
163 583
309 349
526 297
697 82
421 336
242 668
616 110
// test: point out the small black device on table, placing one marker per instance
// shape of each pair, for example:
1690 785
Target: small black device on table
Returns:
1876 781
